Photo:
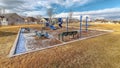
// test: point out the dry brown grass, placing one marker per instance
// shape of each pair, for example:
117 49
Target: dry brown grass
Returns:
99 52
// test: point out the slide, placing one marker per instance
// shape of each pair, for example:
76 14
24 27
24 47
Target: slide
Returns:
52 27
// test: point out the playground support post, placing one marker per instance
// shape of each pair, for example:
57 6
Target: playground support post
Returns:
67 24
80 35
86 24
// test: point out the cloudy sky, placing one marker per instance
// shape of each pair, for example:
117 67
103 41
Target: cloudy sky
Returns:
93 8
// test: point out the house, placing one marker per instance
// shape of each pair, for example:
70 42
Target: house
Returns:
31 20
72 20
43 20
12 19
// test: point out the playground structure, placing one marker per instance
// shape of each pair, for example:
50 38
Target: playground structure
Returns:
51 26
42 33
61 33
73 32
67 33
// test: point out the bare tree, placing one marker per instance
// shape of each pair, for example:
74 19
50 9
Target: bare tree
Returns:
39 17
50 13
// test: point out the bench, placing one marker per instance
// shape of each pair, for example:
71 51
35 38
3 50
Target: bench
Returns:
70 33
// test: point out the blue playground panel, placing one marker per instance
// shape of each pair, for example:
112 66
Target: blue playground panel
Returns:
59 19
20 47
60 22
51 26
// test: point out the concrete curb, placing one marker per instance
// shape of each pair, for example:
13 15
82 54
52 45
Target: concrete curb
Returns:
12 51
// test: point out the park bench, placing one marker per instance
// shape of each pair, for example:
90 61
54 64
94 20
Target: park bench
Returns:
70 33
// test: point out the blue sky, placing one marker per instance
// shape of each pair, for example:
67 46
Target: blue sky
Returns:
93 5
92 8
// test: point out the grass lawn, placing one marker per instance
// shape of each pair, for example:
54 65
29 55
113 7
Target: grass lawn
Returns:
98 52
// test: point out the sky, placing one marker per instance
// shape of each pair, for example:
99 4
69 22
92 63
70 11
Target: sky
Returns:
103 9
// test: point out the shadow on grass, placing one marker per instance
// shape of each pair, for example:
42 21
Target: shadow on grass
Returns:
2 34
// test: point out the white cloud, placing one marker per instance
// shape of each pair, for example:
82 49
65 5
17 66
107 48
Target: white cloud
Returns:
26 6
103 11
10 4
34 13
69 3
110 13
